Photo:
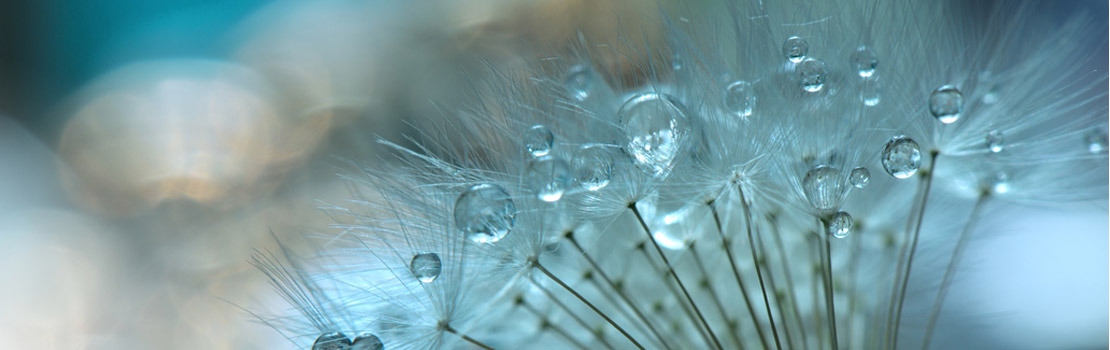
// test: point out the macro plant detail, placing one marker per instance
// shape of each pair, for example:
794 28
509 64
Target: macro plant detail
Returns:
770 182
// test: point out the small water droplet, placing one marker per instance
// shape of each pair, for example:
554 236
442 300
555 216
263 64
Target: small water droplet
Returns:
367 341
995 142
870 91
485 213
538 140
1095 140
823 186
811 74
332 341
426 267
1001 182
654 129
859 177
863 61
795 49
740 98
579 80
840 225
593 166
946 103
902 157
549 177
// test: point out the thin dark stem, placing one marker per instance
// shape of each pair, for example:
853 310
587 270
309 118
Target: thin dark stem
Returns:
755 260
713 294
901 262
553 326
778 300
913 248
830 304
587 303
571 313
789 276
670 268
477 343
677 294
736 273
950 271
620 292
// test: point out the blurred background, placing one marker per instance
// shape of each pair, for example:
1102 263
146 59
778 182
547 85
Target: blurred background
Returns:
147 148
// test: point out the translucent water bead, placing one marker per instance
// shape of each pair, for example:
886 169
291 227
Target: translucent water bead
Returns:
739 98
426 267
811 74
995 142
579 79
485 213
654 129
1095 141
840 225
902 157
823 186
549 177
538 140
593 166
332 341
859 177
367 341
946 103
870 91
863 61
1001 182
795 49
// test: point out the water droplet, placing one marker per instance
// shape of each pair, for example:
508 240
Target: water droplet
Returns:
549 177
823 186
332 341
946 103
795 49
870 91
739 98
593 166
863 61
901 157
579 80
811 74
840 225
654 129
485 213
367 341
1095 141
995 142
859 177
538 140
1001 182
426 267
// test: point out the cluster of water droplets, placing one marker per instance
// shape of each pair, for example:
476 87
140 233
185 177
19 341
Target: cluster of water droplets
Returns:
901 157
654 126
339 341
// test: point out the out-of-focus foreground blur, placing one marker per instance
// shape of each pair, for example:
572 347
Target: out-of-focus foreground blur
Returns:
148 148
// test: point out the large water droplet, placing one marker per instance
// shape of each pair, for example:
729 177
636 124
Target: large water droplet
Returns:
654 129
332 341
426 267
870 91
549 177
840 225
902 157
946 103
579 80
740 98
811 74
593 166
1095 141
995 142
863 61
823 186
538 140
795 49
859 177
367 341
485 213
